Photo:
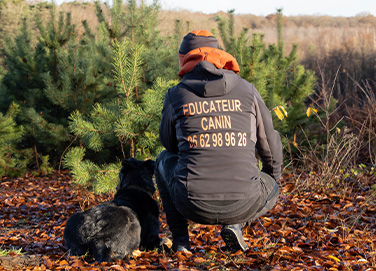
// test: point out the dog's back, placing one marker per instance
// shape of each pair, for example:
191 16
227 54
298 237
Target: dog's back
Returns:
106 231
114 229
147 211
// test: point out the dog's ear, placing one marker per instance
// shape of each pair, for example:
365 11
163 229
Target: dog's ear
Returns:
128 166
131 163
150 165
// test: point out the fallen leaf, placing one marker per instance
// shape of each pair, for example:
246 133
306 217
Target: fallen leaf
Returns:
136 253
334 258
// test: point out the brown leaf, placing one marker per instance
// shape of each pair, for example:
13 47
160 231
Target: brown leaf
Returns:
165 263
284 249
116 267
287 188
303 230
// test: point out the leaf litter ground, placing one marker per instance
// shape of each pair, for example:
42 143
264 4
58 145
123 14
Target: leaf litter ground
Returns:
306 230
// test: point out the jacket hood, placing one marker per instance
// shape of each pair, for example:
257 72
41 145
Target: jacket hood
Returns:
220 59
208 81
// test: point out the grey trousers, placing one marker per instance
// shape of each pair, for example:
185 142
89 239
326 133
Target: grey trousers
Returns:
179 209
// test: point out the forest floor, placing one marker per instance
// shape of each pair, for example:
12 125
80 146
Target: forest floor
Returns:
309 229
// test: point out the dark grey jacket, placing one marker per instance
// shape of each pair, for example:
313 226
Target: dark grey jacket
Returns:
215 121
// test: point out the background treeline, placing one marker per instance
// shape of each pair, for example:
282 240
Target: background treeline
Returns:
82 84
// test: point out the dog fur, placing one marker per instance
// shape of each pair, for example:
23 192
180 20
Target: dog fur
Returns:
113 230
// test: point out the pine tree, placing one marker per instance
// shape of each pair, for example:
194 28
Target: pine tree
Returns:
55 73
128 123
52 76
162 57
13 162
24 83
280 79
235 45
137 22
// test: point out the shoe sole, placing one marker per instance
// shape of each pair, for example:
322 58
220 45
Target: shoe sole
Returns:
232 240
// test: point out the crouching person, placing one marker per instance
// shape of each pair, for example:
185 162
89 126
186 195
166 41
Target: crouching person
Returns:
213 122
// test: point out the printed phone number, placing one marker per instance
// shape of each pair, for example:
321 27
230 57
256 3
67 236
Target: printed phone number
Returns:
228 139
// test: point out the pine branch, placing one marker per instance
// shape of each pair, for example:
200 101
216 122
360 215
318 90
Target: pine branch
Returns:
127 66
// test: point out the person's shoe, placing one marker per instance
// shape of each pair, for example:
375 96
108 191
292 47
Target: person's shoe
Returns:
181 243
233 237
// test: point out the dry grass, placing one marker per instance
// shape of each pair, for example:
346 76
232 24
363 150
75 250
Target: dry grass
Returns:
319 34
315 34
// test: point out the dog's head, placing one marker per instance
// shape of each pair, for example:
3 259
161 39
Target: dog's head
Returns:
137 174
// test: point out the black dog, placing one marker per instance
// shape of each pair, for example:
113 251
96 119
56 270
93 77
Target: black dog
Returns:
113 230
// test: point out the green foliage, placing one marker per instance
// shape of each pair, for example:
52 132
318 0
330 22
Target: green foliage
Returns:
52 76
138 22
12 161
139 121
127 123
55 72
127 65
24 83
161 60
96 129
226 30
280 79
135 21
6 252
83 77
101 179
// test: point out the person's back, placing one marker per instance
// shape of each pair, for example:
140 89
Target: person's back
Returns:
213 120
212 124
